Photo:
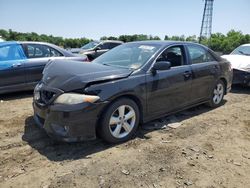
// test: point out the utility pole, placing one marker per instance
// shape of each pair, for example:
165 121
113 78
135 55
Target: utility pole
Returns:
206 25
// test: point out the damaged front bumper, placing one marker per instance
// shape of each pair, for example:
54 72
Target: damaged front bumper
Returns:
241 77
69 123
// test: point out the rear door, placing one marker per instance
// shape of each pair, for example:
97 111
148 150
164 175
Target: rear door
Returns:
38 56
205 71
12 69
169 90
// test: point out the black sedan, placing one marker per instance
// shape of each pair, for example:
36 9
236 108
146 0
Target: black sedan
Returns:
22 63
131 84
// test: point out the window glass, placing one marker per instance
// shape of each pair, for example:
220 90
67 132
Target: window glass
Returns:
174 55
90 45
129 55
104 46
54 53
112 45
242 50
38 51
199 55
11 52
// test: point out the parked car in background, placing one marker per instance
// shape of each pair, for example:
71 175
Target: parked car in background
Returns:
22 63
96 48
240 61
132 83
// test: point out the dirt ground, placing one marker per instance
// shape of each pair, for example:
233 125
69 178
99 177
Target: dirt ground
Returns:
210 149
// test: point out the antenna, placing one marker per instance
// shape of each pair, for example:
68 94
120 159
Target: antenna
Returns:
206 25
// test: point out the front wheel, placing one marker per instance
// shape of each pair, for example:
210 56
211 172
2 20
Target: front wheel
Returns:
119 123
217 94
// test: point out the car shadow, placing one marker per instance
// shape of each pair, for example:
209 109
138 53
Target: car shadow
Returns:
16 95
59 151
239 89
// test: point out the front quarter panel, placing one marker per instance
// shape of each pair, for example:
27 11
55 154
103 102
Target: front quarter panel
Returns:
133 86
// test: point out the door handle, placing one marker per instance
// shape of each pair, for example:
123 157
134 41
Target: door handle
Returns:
187 74
16 65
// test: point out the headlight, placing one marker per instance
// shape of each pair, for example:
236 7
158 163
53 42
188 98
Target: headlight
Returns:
73 98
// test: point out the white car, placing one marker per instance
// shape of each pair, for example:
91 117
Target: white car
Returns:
240 62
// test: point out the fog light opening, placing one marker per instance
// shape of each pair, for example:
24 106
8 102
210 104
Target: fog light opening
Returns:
60 130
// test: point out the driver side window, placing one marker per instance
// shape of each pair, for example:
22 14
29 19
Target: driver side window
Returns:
174 55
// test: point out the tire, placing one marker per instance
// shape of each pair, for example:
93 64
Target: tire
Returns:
120 121
217 94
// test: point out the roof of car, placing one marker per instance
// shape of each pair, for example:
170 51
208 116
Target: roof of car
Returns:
245 45
162 42
23 42
7 43
114 41
34 42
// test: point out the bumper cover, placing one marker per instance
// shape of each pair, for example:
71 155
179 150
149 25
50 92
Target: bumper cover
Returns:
70 123
241 77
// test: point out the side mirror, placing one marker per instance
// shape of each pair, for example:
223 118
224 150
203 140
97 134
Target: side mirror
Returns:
97 48
160 65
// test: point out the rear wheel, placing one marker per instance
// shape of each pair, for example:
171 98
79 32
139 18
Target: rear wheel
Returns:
120 121
217 94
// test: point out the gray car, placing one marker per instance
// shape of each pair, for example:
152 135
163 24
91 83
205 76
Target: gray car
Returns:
96 48
22 63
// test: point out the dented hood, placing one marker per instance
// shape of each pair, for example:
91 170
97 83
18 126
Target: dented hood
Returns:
240 62
72 75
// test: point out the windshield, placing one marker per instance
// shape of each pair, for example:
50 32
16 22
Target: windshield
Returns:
242 50
130 55
90 45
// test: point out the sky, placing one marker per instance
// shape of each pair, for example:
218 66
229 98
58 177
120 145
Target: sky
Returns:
96 18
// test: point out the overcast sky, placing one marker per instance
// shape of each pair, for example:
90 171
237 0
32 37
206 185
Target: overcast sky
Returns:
97 18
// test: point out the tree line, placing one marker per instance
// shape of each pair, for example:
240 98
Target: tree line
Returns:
218 41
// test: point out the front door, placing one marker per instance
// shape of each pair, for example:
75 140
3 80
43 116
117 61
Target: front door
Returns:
169 90
12 69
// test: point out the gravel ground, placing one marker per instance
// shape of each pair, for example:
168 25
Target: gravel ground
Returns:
210 149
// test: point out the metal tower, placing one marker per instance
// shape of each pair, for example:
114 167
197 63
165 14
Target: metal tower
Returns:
206 25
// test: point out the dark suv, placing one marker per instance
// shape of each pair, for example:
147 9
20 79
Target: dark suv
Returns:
96 48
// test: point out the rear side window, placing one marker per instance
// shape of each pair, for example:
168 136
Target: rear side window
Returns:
105 46
39 51
11 52
112 45
199 55
54 53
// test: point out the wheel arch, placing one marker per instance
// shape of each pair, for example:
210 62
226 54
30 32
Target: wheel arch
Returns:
225 83
128 96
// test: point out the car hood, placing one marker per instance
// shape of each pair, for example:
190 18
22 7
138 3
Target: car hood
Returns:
71 75
240 62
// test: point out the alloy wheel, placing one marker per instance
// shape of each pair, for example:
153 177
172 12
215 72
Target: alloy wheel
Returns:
122 121
218 93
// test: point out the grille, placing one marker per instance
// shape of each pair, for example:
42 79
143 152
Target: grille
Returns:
46 96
